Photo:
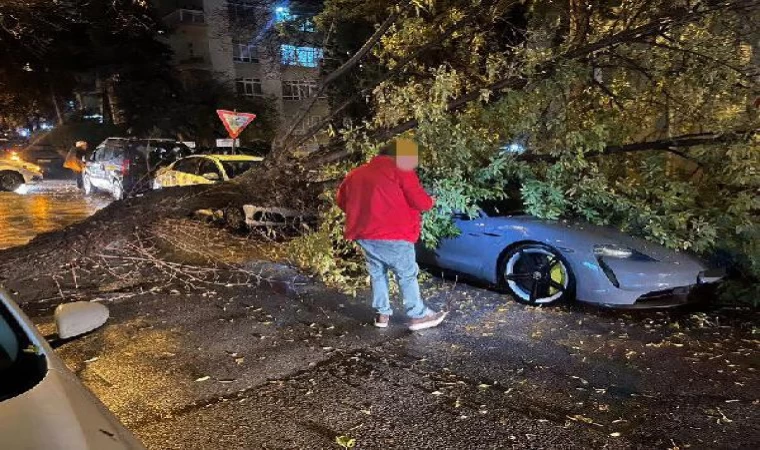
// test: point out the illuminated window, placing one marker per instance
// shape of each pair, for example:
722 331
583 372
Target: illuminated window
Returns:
244 52
282 14
299 90
307 26
300 56
249 87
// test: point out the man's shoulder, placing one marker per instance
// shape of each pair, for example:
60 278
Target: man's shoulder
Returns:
363 170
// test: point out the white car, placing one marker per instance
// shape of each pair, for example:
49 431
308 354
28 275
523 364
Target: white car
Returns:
14 172
42 403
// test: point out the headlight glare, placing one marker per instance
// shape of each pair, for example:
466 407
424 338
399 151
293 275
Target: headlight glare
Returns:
613 251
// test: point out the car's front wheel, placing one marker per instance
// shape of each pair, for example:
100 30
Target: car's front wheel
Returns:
118 190
536 274
10 181
87 185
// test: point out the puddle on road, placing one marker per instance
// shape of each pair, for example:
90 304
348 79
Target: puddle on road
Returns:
47 206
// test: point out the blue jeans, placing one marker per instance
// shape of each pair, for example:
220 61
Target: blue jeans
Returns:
399 257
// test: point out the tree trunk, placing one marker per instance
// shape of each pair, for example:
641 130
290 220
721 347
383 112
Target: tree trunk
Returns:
105 107
57 107
580 21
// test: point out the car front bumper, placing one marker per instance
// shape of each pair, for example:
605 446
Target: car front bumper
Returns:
703 290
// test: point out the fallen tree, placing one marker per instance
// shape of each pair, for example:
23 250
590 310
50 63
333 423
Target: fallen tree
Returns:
595 108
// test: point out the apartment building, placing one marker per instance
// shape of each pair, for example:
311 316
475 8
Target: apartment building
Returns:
238 42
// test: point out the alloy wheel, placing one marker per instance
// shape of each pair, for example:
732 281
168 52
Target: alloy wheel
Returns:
537 275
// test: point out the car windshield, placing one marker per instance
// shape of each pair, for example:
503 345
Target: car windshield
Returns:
22 364
504 207
235 168
163 152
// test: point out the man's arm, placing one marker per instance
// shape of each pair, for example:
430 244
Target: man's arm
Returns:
415 194
341 198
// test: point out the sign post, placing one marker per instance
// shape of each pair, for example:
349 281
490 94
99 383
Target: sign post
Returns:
235 123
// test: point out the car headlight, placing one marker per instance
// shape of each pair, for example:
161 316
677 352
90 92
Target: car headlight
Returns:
613 251
32 167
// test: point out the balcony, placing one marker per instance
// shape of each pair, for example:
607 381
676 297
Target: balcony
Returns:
185 17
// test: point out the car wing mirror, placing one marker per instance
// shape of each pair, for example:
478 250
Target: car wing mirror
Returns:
211 176
78 318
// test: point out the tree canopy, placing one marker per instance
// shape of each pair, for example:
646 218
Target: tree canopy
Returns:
638 114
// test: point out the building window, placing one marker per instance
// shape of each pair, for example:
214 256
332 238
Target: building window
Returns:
282 14
244 52
249 87
242 11
307 26
300 56
299 90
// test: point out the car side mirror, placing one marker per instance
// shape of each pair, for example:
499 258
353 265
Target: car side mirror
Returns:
78 318
211 176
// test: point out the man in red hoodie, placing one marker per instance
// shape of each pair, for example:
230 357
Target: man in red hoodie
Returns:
383 201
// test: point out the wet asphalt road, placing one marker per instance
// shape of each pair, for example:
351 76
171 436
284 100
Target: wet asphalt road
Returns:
248 367
42 207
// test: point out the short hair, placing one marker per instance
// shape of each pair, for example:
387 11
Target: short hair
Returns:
388 149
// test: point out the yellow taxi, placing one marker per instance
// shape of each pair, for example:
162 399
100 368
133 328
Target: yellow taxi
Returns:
203 169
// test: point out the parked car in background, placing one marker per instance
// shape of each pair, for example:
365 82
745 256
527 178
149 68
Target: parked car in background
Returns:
204 169
15 172
47 157
542 262
43 405
249 151
124 166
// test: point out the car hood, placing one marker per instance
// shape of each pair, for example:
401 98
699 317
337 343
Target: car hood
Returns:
58 413
19 165
583 236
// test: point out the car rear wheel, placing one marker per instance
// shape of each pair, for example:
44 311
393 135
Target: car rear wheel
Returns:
537 274
10 181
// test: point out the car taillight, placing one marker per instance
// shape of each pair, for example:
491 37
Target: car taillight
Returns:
125 166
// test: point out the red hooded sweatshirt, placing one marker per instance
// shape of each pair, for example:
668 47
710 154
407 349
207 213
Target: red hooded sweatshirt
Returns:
383 202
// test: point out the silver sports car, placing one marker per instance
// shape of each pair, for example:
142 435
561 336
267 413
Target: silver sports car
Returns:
542 262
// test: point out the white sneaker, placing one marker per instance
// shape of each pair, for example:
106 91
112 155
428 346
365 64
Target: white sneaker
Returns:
429 321
382 320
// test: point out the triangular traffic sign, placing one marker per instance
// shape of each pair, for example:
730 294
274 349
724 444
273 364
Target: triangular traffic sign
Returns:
235 122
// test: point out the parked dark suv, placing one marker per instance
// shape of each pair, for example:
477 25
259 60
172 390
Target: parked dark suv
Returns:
125 166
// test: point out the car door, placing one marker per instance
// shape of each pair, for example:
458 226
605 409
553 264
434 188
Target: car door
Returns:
96 169
164 177
116 154
464 253
185 172
169 177
106 167
209 172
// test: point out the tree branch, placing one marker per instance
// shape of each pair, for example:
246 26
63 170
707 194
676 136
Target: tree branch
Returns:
675 16
340 71
397 70
669 145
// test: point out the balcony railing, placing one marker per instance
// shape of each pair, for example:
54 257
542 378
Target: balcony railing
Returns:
185 17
